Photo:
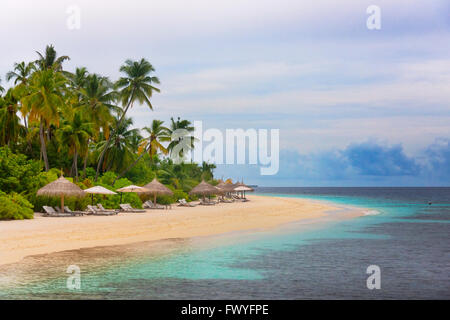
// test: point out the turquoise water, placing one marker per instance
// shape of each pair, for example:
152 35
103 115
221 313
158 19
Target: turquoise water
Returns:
408 238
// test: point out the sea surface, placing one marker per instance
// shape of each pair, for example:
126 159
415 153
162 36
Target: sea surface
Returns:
404 231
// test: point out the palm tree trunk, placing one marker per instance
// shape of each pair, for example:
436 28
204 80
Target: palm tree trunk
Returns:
43 147
85 164
130 167
102 155
75 164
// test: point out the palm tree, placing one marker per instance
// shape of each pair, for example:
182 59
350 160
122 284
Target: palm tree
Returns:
50 60
157 133
119 153
21 72
181 140
96 100
75 134
207 170
10 125
136 86
44 101
1 88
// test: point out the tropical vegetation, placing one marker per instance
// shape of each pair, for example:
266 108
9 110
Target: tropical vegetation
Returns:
54 121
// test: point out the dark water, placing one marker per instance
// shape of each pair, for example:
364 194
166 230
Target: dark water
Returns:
401 233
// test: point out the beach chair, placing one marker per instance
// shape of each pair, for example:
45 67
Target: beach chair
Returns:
150 205
100 206
50 212
75 213
224 200
207 202
184 203
128 208
93 210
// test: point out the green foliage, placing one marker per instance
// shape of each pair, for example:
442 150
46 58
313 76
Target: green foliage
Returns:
14 207
108 178
142 173
17 174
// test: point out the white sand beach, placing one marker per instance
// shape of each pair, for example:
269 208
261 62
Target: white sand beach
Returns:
43 235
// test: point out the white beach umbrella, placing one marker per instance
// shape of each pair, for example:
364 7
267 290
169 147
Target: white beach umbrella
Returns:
132 188
98 190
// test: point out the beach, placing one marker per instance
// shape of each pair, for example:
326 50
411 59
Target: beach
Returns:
43 235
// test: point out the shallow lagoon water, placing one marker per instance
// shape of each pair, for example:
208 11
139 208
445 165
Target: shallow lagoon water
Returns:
407 238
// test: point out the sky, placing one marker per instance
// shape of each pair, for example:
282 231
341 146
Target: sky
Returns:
355 107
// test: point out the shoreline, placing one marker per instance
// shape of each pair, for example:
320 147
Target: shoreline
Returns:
43 235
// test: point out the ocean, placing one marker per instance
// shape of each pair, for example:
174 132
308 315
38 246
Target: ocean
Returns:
404 231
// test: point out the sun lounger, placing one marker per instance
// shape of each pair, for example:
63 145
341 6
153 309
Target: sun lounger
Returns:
128 208
50 212
184 203
150 205
207 202
75 213
100 206
225 200
93 210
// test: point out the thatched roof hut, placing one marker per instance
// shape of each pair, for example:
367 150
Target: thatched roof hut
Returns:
60 188
157 188
204 188
225 187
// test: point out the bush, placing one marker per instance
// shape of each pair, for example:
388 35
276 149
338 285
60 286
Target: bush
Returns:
17 174
74 203
15 207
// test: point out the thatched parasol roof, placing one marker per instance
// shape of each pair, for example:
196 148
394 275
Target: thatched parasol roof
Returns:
156 187
60 187
132 188
205 188
225 187
99 190
241 187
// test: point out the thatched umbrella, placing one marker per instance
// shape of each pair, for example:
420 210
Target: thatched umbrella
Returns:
240 187
131 188
226 187
60 188
98 190
155 187
204 188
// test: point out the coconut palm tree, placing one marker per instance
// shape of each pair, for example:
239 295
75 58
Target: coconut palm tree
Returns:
21 72
45 100
75 134
10 125
96 100
181 139
157 133
50 59
135 86
119 153
1 88
207 170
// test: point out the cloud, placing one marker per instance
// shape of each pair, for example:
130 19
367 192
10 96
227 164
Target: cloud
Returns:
359 164
437 160
373 159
